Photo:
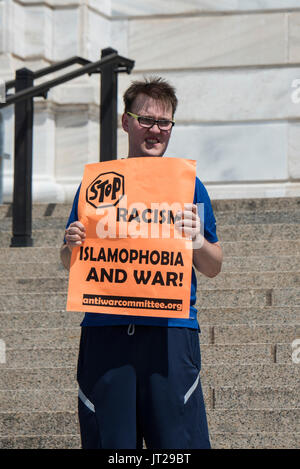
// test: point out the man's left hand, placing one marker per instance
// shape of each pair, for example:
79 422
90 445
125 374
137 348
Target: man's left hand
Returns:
189 224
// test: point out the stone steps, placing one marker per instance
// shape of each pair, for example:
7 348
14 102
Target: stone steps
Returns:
49 441
260 264
229 334
255 375
39 319
51 377
53 237
36 255
255 440
44 223
261 248
220 420
45 211
230 249
40 357
251 280
231 265
241 354
264 397
257 232
225 282
224 397
226 440
257 205
38 400
286 217
240 420
211 353
223 298
254 221
249 317
30 277
231 205
279 315
212 376
247 218
24 270
40 337
256 334
14 424
266 315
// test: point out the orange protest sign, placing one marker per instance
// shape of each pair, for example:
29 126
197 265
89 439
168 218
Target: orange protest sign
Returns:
133 261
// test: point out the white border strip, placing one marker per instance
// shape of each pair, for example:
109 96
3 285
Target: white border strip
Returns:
85 400
191 390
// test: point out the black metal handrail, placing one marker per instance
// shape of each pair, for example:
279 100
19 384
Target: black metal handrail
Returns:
109 66
51 69
43 88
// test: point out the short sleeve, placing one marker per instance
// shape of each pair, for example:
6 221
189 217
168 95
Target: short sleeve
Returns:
205 211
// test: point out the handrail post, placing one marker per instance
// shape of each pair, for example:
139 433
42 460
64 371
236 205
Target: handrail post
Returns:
22 195
108 109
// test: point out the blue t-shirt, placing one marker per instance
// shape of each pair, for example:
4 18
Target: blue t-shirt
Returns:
207 218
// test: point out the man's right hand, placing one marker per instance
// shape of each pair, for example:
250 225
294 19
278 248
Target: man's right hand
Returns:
75 234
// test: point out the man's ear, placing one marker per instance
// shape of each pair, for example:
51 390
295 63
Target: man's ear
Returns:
125 122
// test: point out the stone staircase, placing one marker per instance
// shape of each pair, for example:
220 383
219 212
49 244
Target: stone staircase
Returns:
249 317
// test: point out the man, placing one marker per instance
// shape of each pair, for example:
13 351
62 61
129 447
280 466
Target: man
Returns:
139 376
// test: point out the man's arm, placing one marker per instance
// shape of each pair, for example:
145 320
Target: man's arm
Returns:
207 257
74 236
65 256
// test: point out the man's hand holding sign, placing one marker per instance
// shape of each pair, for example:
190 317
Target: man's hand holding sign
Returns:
75 234
207 257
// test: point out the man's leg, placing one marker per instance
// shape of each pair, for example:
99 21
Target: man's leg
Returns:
107 388
171 404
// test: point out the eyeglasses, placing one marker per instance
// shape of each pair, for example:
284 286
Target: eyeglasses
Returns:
148 122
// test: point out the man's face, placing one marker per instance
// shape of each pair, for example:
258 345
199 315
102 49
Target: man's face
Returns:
143 141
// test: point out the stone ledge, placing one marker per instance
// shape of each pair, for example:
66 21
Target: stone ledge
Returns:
233 421
41 442
133 9
255 440
255 375
254 398
249 315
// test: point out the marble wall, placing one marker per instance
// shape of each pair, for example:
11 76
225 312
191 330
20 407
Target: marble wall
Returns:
235 65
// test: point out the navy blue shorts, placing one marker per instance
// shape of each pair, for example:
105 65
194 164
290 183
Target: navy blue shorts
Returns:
140 383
